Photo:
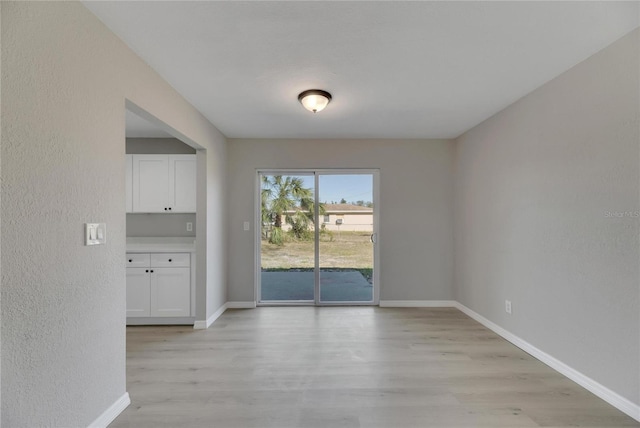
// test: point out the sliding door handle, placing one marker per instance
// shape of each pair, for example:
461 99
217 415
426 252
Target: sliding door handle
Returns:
373 238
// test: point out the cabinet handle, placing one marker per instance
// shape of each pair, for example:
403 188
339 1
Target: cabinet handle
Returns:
165 209
169 208
147 270
169 259
151 270
130 260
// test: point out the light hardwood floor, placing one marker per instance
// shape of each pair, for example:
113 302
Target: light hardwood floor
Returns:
347 367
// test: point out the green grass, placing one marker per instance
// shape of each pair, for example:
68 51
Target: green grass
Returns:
346 251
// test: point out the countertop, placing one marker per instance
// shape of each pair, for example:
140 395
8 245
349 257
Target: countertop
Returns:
161 245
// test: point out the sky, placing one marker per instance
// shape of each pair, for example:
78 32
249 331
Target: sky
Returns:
351 187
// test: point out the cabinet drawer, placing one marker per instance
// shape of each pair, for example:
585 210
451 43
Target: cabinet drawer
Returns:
170 260
138 260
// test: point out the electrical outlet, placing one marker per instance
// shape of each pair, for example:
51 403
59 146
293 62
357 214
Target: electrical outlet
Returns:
246 225
189 226
507 306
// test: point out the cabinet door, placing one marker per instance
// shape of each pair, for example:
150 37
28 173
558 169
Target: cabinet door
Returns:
129 183
138 292
150 183
182 183
170 292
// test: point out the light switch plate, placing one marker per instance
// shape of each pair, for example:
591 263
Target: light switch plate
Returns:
246 225
95 233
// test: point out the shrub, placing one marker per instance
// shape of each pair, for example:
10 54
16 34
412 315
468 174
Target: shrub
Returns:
277 236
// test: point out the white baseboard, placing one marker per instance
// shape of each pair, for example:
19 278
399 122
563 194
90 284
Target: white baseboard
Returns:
241 305
616 400
202 325
160 320
112 412
417 303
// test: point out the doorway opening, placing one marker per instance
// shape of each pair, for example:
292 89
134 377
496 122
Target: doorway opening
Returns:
317 237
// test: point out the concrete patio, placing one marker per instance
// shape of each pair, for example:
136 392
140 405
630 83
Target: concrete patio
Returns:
335 286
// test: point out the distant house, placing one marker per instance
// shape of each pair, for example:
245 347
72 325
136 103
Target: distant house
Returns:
343 217
347 217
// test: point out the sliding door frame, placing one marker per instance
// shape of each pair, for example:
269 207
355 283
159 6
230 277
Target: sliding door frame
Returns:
316 172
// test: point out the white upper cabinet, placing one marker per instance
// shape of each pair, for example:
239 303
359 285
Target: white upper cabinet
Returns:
164 183
150 183
182 183
129 183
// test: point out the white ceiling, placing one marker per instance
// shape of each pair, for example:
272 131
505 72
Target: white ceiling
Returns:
395 69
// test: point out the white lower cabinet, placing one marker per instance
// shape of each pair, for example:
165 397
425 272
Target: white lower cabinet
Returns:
158 285
170 292
138 292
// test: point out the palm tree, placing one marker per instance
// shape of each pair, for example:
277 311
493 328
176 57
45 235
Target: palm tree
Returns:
286 196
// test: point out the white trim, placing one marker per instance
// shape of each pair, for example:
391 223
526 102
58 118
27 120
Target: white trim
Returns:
316 239
257 237
418 303
241 305
160 320
316 172
377 285
112 412
611 397
201 325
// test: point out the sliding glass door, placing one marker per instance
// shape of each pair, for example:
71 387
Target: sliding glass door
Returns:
317 242
287 248
345 249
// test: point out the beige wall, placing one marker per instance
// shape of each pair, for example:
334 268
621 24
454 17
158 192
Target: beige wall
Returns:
162 146
65 81
351 222
539 187
415 251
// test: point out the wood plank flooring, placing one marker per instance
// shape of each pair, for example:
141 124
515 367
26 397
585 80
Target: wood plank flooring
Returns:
328 367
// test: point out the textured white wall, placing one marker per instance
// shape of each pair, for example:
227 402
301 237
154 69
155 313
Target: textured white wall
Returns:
65 78
160 224
1 139
416 259
214 260
533 188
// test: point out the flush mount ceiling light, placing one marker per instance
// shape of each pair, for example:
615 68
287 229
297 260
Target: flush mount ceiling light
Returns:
314 100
